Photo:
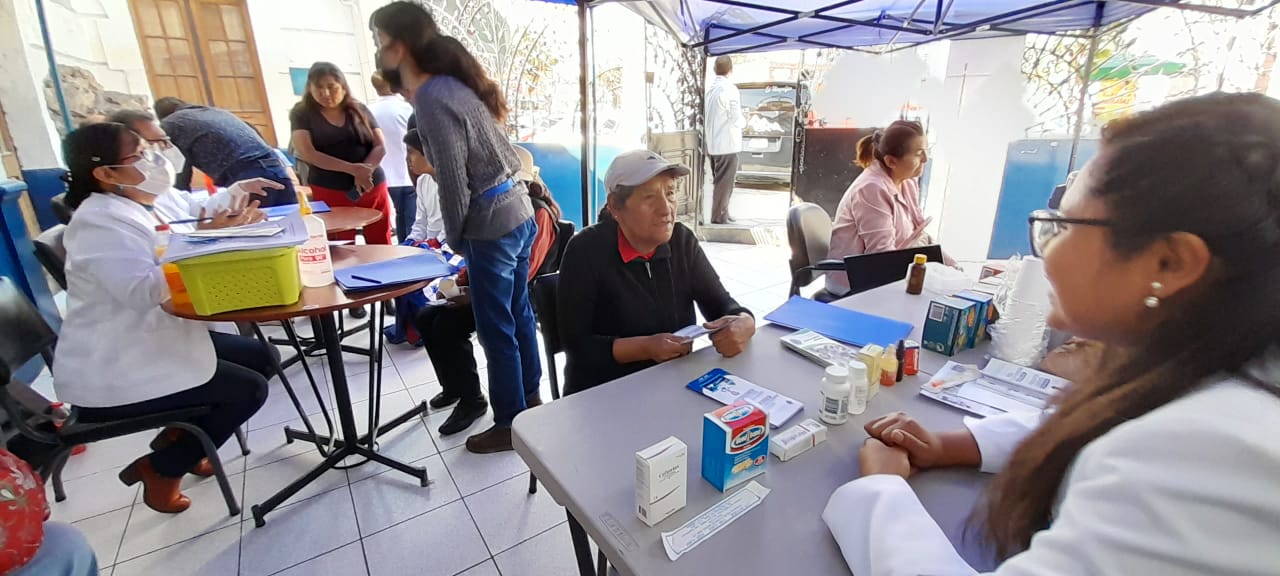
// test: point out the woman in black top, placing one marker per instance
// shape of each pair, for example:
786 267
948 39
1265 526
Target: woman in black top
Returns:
630 281
340 140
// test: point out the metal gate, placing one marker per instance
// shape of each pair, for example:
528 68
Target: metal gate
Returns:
673 93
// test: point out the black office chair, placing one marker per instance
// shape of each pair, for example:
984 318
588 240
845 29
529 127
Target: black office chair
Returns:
52 254
867 271
809 234
58 204
25 336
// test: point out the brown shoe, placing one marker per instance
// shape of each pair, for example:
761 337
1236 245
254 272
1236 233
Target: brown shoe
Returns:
203 468
495 439
533 401
158 492
165 438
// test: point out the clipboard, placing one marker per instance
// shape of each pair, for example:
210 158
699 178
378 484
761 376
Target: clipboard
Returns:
836 323
406 270
317 207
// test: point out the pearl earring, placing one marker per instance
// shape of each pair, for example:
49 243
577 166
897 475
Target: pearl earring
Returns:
1153 301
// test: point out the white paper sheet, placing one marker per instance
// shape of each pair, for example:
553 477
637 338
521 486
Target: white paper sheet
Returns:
714 519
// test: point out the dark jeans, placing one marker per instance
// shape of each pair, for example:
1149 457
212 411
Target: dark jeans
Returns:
271 169
236 391
446 334
499 276
405 199
724 170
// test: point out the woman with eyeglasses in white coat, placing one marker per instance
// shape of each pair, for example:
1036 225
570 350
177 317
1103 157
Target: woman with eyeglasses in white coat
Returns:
1165 461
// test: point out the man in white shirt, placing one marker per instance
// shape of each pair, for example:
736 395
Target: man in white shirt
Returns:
725 122
392 113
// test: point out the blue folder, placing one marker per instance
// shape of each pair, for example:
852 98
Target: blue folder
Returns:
838 323
416 268
317 206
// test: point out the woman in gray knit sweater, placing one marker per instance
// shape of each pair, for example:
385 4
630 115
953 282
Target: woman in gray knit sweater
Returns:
487 214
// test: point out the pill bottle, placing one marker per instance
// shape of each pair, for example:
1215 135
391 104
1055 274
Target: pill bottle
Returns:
834 408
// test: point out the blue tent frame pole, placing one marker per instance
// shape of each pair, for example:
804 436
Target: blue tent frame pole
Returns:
53 66
585 105
1084 87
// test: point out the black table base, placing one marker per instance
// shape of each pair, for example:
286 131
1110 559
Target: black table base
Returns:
351 443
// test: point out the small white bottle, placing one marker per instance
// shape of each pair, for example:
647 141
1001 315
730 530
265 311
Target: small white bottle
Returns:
834 408
314 262
858 387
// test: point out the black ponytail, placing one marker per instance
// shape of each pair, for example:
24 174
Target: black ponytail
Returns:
88 148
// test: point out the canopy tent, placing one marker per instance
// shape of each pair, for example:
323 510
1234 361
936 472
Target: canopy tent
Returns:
733 26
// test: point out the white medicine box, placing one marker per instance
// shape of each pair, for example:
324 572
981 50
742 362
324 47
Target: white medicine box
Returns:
662 472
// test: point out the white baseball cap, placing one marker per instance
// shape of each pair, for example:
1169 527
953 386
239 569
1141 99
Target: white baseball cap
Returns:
636 167
528 170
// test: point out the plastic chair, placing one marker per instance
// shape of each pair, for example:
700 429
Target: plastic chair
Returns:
543 292
52 254
809 235
58 204
27 335
867 271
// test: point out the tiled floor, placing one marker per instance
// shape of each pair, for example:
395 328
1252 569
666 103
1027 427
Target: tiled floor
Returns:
475 519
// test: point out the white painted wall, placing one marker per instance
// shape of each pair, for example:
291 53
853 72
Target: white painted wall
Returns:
980 111
298 33
21 74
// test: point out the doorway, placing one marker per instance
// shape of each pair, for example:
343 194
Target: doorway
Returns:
202 51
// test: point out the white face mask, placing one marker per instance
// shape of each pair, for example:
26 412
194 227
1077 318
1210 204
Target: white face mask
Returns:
177 161
156 178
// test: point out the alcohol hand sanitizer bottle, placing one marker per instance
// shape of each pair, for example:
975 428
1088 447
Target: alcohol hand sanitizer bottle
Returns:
314 263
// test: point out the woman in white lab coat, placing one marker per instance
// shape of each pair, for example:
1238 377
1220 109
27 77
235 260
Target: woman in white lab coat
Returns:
119 354
1165 462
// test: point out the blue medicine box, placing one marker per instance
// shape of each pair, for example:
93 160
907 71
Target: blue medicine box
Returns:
735 444
948 325
986 312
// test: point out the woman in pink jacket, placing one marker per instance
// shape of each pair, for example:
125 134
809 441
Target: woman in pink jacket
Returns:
881 210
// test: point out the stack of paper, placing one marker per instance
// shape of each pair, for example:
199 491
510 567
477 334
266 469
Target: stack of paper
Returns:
288 231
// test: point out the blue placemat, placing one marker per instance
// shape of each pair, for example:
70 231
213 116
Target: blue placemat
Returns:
317 206
838 323
416 268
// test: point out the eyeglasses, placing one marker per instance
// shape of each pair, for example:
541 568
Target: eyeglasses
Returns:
1045 225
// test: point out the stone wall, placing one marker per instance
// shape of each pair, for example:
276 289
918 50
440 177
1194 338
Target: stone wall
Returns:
86 98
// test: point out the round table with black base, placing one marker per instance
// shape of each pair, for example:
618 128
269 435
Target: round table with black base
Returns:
321 304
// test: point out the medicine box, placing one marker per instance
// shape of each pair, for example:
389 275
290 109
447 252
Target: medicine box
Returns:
797 440
662 472
986 311
735 444
948 325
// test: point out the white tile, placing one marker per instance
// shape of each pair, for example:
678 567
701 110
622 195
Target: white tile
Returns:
90 496
261 483
296 534
268 445
442 542
475 472
392 405
103 533
486 568
408 442
358 385
417 370
149 530
507 514
279 407
393 497
215 554
111 454
345 561
547 554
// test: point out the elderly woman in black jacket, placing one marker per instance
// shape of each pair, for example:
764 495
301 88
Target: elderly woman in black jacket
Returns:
628 283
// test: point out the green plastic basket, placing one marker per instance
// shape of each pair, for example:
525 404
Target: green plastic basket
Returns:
242 279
